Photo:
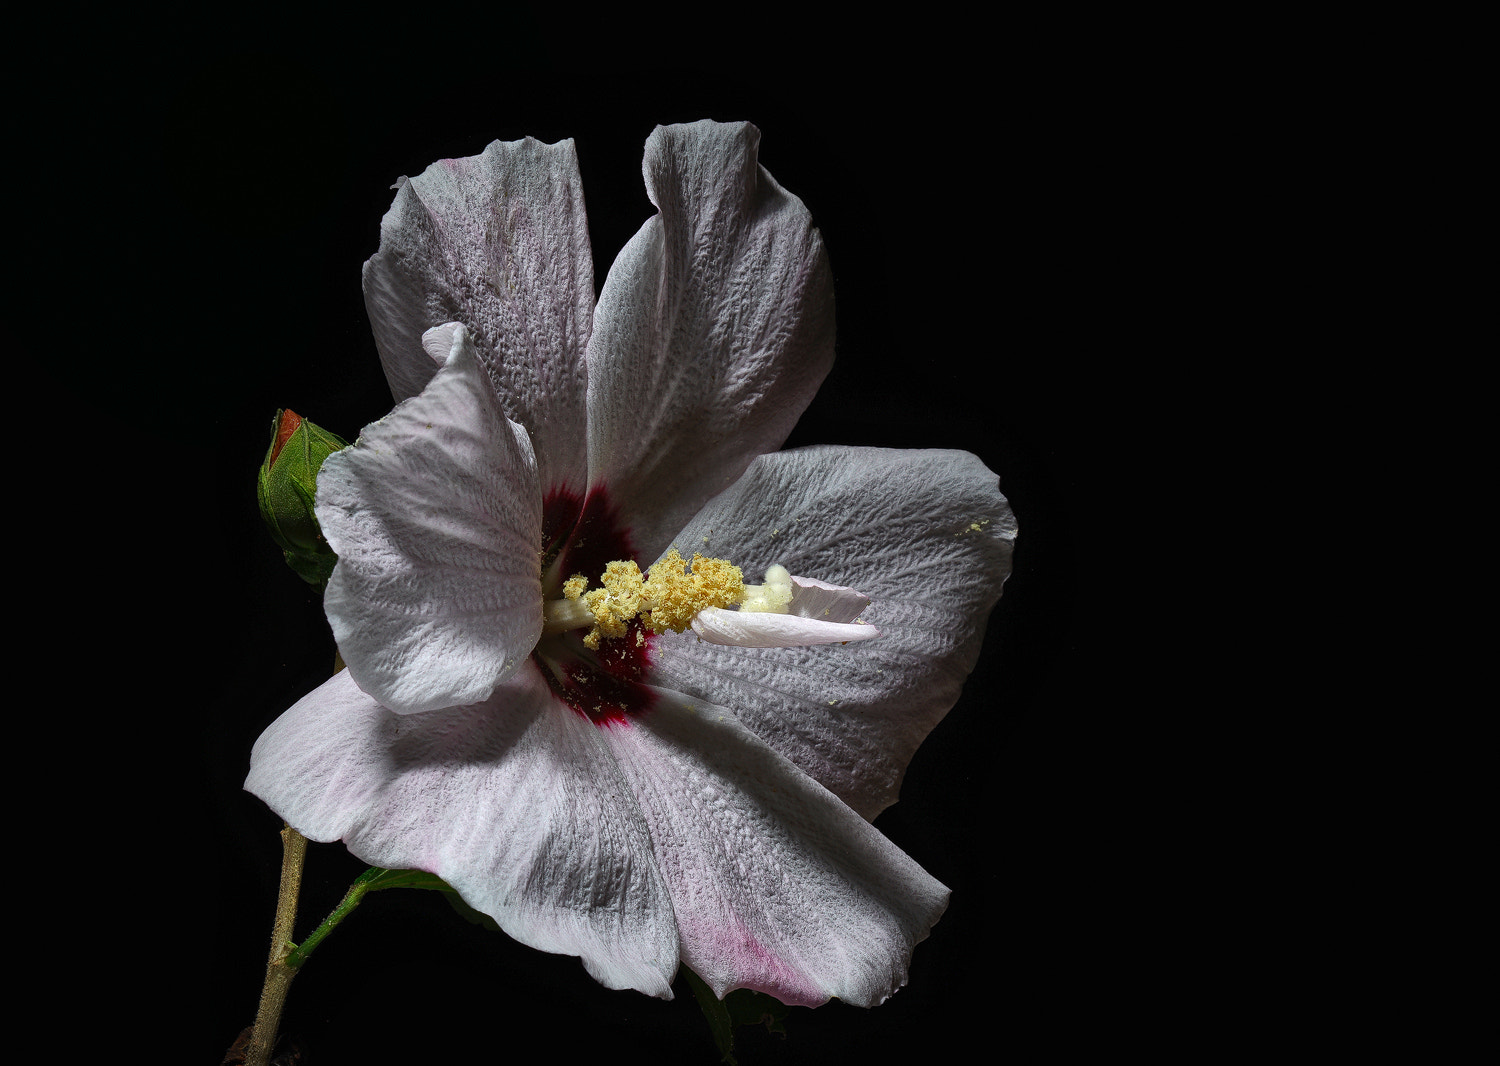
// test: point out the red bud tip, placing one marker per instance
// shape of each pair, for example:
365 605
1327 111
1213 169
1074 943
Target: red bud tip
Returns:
287 425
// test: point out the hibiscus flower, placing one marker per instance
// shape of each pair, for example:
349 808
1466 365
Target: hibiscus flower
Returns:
603 777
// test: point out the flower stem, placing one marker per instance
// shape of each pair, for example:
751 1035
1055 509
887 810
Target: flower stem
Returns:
287 957
278 974
279 970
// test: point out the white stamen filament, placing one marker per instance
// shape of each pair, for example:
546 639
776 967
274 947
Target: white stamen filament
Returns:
559 616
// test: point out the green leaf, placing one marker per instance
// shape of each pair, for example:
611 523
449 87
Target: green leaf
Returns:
470 915
739 1008
376 879
715 1012
748 1007
421 879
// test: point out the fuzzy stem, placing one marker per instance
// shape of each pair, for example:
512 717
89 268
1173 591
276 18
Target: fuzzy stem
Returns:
279 971
278 974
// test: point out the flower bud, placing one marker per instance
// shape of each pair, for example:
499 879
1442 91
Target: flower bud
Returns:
287 486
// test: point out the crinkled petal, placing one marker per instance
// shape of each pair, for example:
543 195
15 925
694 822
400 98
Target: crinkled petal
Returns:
776 884
713 331
517 803
499 242
925 534
435 514
749 629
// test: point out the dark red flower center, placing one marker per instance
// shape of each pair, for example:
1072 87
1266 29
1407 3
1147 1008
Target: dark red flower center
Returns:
607 686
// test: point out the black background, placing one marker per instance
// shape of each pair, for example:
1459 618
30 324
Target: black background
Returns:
230 192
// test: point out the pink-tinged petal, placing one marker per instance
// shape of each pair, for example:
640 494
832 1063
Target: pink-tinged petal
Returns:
747 629
516 802
713 331
499 242
776 884
436 516
925 534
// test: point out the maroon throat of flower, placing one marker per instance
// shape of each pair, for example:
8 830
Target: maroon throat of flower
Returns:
604 685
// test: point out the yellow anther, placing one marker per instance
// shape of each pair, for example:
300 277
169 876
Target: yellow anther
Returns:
676 595
616 603
667 597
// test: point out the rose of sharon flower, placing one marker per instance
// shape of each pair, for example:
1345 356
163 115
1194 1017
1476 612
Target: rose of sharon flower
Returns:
524 712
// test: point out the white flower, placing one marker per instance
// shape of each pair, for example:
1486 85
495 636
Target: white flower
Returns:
664 798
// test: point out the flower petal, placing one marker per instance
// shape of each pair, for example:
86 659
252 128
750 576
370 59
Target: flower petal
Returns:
776 884
746 629
435 514
812 598
714 329
517 803
925 534
499 242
